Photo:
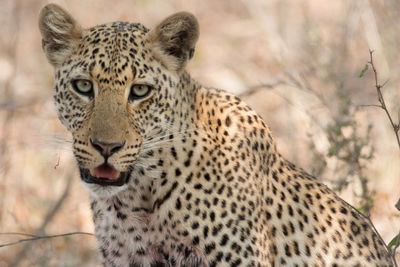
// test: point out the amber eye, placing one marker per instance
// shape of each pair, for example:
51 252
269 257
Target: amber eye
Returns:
139 91
83 87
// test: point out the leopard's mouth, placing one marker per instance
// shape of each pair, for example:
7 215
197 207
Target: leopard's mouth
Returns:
104 175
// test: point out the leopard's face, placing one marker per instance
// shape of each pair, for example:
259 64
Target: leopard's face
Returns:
117 90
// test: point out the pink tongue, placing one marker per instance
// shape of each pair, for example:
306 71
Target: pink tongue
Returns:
105 171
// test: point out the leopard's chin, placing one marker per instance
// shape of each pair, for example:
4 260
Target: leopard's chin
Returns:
118 179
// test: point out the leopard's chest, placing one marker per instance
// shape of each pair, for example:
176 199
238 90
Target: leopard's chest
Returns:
143 239
127 238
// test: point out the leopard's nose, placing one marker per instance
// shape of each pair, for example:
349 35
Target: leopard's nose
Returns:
106 149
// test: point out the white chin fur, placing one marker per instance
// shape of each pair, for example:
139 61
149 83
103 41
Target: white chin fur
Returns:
103 192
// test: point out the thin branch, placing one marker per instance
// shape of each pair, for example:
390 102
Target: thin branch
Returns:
370 105
38 237
395 127
15 233
381 100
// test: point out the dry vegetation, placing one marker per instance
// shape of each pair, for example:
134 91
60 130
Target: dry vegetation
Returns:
300 60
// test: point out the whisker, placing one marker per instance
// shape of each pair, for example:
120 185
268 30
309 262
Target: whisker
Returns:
152 139
176 136
155 147
51 140
157 144
167 133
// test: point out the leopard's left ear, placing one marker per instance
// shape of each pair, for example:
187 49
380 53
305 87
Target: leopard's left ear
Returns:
60 33
173 40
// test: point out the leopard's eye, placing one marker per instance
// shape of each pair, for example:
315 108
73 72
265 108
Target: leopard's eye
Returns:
83 87
139 91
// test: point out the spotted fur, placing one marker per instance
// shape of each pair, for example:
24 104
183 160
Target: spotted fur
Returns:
201 182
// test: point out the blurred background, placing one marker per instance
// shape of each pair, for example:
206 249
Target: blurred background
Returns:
297 63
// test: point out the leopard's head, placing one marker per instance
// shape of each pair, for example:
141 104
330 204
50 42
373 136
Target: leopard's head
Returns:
117 86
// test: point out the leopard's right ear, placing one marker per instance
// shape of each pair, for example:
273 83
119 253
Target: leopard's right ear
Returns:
174 39
60 33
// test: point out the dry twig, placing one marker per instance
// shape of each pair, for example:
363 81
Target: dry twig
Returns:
382 104
37 237
395 127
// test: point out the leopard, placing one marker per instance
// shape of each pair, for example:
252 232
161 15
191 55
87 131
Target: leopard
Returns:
179 174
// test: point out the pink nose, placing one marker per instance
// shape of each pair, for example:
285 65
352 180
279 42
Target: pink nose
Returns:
106 149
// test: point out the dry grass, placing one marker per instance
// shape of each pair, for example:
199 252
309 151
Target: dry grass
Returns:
322 45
